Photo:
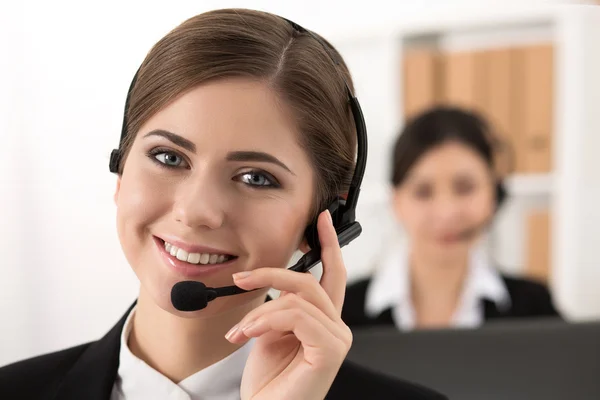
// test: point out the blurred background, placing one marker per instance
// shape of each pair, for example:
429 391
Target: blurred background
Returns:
530 67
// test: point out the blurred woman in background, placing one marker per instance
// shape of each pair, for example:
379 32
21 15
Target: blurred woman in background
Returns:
445 194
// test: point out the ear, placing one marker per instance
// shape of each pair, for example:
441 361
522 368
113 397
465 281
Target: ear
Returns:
117 190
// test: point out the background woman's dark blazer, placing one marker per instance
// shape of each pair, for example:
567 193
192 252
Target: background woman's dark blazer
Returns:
528 299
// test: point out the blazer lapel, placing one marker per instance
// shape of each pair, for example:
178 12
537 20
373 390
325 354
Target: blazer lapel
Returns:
490 310
385 318
93 375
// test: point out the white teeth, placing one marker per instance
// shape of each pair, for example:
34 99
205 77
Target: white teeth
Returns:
182 255
195 258
204 258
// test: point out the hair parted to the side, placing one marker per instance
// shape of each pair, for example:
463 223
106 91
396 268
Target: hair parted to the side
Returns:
257 45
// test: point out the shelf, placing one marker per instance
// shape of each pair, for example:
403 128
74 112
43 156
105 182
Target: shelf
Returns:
530 184
517 185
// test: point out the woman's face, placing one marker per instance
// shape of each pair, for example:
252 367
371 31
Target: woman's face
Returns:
448 192
215 183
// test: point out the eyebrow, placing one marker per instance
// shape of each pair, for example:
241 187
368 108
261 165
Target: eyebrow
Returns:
460 176
256 156
232 156
173 137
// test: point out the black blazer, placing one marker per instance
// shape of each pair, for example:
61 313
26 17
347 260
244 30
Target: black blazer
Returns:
88 372
528 299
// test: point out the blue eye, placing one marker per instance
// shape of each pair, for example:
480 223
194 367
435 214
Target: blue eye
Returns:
258 179
172 160
167 158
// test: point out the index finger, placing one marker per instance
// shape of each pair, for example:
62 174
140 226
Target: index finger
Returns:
334 276
302 284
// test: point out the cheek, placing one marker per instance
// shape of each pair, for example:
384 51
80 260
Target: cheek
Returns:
273 233
482 208
479 205
141 201
411 213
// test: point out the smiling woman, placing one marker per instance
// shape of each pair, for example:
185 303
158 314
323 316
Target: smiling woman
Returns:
239 133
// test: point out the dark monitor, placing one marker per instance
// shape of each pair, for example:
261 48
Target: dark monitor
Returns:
533 359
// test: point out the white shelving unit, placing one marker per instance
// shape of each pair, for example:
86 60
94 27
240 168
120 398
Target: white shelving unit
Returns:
530 185
571 190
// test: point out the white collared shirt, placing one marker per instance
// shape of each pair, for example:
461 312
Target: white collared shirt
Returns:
136 380
390 288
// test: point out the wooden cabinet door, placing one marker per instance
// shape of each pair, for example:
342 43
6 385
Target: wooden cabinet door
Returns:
538 246
511 87
464 79
498 105
420 80
534 104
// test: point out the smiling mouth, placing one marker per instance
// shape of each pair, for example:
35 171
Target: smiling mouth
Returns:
196 258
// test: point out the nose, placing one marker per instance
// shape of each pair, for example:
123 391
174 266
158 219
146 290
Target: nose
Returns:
198 203
447 209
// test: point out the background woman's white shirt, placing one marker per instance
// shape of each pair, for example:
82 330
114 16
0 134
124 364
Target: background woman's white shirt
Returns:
390 288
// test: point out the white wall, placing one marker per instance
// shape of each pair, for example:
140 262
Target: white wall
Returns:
14 325
577 268
64 72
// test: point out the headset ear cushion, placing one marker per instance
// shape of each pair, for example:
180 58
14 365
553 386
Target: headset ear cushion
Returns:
311 234
115 160
501 194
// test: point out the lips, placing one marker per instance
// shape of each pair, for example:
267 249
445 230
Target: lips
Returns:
192 263
196 258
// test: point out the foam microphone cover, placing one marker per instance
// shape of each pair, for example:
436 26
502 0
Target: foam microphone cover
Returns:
190 296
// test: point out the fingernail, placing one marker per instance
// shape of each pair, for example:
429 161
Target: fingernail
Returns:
248 326
329 217
231 332
241 275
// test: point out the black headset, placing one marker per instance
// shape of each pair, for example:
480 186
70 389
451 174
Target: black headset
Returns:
501 191
343 211
501 194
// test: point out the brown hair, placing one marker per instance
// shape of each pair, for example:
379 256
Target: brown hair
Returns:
441 124
257 45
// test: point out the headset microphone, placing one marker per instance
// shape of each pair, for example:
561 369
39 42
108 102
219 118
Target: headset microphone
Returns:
193 295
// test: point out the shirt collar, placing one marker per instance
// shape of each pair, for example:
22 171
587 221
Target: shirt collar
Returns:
390 284
485 280
137 380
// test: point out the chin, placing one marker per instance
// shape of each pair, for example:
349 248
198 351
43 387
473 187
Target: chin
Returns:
449 249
